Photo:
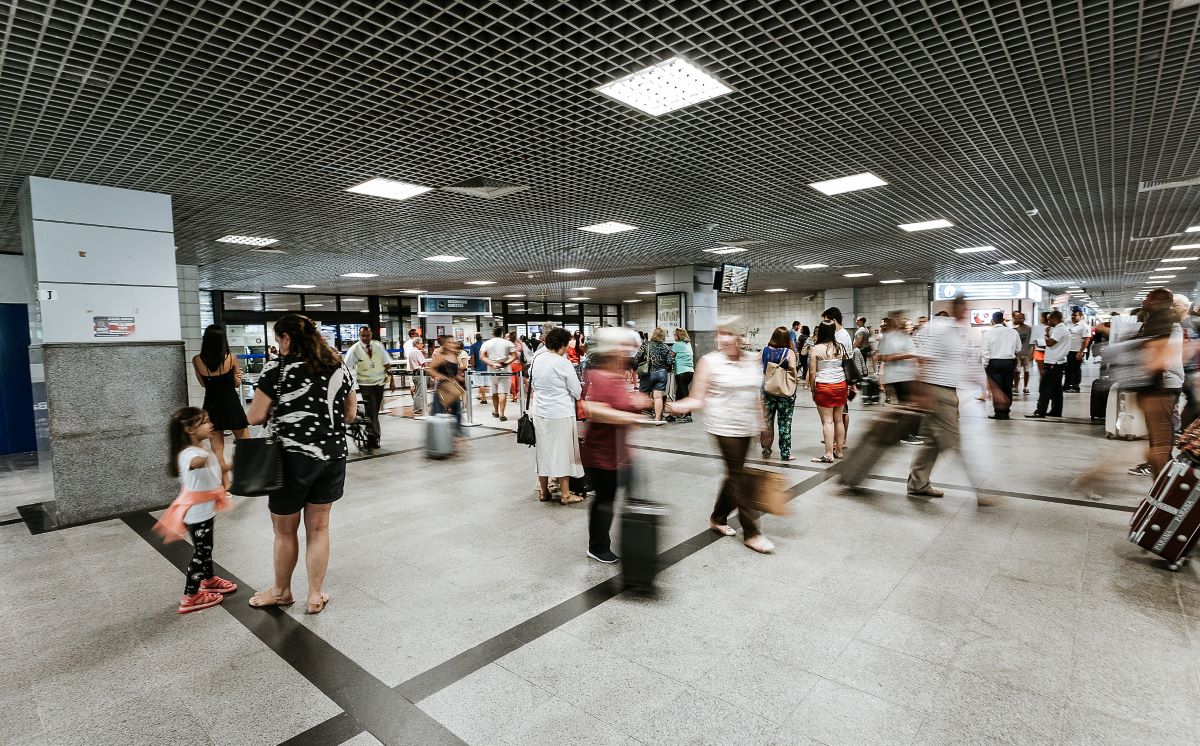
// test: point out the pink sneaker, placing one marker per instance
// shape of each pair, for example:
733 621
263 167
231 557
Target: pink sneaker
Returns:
217 584
198 601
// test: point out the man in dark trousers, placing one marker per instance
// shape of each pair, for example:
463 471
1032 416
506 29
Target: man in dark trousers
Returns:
1050 388
1000 348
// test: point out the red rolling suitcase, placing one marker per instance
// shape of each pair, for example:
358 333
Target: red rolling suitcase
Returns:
1167 522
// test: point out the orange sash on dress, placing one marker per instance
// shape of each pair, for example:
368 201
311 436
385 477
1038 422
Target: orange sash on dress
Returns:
171 526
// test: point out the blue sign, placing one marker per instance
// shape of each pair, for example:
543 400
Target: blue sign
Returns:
1007 290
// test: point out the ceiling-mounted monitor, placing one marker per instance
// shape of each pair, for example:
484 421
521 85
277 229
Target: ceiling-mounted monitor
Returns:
732 278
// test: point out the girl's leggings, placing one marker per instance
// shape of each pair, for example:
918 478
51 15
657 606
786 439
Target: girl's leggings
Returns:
201 566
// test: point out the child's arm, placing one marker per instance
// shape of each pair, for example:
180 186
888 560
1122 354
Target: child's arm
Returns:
198 462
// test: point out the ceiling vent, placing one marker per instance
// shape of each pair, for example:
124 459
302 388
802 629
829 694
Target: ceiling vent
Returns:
1154 186
484 188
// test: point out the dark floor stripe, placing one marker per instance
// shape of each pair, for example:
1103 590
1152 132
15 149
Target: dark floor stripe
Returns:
425 685
11 521
335 730
372 705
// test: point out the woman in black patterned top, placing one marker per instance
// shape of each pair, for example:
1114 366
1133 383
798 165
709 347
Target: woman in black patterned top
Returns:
308 396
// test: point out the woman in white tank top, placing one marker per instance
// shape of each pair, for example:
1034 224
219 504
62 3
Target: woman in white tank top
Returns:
728 385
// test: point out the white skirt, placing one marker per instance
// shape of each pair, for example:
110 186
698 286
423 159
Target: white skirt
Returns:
557 447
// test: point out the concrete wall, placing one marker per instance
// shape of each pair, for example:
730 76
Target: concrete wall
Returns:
15 285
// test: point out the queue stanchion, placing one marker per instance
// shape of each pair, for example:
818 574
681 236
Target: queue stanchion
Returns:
468 419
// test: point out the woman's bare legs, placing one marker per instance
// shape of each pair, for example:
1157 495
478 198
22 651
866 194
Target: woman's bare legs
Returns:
839 423
217 441
658 405
828 429
316 549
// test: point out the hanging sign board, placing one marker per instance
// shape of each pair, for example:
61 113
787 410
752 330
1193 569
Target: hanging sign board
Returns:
981 290
669 312
439 304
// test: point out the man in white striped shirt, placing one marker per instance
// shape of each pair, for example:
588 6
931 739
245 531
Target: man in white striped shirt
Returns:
947 360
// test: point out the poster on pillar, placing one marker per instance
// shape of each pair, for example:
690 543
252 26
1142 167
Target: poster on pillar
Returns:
669 313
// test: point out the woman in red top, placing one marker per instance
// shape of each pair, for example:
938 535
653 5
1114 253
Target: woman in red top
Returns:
575 349
611 409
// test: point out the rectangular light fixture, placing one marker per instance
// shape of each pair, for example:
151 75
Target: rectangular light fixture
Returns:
408 290
775 290
631 301
248 240
927 225
848 184
668 86
246 297
724 250
891 282
1018 271
857 274
353 300
974 249
609 227
389 189
360 274
1007 261
1186 247
481 282
582 297
570 271
300 287
267 251
1168 269
1162 277
646 292
1192 229
445 258
584 288
811 266
515 295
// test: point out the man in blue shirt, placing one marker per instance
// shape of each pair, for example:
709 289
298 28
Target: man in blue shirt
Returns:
479 365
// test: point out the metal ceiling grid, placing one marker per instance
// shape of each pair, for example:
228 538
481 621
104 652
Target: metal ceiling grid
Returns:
257 116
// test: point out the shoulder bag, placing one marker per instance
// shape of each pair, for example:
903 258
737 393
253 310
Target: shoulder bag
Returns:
850 366
257 465
526 434
781 381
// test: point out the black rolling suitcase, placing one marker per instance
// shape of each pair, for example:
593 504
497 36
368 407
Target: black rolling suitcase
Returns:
639 543
870 390
884 433
1099 400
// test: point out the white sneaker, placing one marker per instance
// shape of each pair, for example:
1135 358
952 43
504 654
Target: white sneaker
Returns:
760 544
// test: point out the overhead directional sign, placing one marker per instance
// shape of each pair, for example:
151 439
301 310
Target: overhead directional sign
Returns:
427 304
981 290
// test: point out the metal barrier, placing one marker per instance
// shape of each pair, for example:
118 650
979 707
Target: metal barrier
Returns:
478 378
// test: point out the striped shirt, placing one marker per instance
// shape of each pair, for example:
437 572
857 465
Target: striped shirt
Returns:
946 352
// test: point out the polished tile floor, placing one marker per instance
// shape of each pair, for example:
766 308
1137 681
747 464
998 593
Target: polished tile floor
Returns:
465 611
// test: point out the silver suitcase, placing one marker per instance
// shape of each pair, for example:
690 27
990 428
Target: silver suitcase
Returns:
1123 418
439 438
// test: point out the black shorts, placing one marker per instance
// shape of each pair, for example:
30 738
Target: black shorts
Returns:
309 481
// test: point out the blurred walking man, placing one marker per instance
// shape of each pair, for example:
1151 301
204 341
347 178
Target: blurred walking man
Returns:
1000 348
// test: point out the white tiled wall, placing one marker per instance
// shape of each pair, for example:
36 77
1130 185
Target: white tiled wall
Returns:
190 329
877 302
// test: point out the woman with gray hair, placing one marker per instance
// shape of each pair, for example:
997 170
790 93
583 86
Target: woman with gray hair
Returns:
727 384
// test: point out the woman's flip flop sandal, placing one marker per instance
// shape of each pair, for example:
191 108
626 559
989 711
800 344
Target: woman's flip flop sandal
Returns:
823 460
320 607
265 598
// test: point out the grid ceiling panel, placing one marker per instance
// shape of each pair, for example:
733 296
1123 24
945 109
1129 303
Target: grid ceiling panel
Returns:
256 116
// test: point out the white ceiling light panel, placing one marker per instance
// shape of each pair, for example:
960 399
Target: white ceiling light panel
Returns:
248 240
388 189
925 226
811 266
724 250
848 184
571 271
974 249
445 258
360 275
668 86
300 287
609 227
481 282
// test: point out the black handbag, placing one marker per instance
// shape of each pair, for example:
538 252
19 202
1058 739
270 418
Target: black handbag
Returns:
851 370
526 434
257 466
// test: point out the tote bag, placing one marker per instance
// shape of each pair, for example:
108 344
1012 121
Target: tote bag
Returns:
257 466
526 434
781 381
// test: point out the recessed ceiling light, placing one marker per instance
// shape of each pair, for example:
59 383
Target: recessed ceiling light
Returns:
581 298
388 188
609 227
857 274
248 240
515 295
360 274
408 290
646 292
1180 259
353 300
313 305
927 225
570 271
246 297
890 282
631 301
1185 247
775 290
1018 271
300 287
481 282
445 258
668 86
848 184
584 288
811 266
974 249
1168 269
724 250
1007 261
1192 229
1162 277
267 251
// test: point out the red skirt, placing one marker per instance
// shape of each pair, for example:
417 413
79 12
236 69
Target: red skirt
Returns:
830 394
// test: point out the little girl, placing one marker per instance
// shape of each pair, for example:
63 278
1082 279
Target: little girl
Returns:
201 496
